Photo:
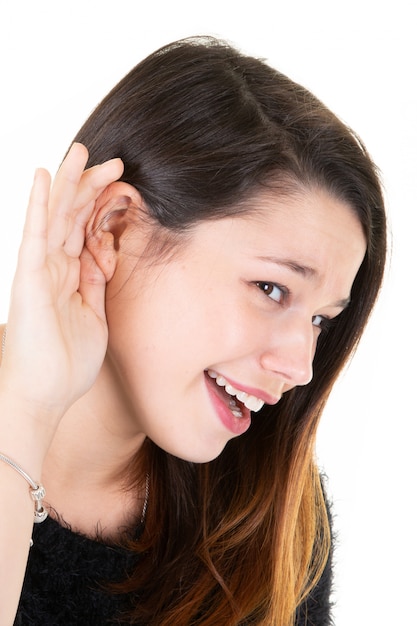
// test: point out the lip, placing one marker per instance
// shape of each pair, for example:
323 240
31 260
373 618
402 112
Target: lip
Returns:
252 391
235 425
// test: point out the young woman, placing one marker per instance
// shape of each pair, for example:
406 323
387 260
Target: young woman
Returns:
180 312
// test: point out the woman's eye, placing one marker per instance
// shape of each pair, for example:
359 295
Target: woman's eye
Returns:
272 290
322 322
318 320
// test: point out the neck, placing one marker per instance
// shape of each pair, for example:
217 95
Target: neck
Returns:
85 472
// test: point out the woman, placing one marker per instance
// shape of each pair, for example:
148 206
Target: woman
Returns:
170 306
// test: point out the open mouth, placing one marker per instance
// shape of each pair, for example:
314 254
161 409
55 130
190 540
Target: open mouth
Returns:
239 402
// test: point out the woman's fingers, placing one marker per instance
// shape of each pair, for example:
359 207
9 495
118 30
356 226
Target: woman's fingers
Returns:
35 234
55 229
93 182
73 196
96 179
56 218
63 194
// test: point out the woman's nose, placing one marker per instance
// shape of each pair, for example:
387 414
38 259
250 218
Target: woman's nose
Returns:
290 352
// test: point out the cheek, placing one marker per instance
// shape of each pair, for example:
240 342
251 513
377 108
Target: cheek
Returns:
186 317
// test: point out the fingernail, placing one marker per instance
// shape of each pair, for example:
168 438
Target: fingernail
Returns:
111 161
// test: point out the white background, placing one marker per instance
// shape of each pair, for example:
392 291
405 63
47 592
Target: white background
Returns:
58 59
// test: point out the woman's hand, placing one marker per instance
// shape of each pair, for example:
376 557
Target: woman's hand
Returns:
56 341
57 331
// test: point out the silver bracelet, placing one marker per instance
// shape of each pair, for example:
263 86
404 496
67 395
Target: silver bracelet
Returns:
37 490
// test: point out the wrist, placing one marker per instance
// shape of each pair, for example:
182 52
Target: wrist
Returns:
26 432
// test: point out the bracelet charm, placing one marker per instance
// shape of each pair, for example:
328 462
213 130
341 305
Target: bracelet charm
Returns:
38 495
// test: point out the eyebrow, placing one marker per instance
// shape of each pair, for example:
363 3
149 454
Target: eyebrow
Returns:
304 270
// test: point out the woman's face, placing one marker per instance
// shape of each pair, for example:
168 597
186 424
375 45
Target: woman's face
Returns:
201 340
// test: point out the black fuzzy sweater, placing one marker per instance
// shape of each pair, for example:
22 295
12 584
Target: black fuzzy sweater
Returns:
63 583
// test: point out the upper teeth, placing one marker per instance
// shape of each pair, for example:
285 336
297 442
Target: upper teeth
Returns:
251 402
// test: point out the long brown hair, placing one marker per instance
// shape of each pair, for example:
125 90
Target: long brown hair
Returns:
200 128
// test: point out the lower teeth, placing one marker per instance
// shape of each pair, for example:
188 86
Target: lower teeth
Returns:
234 408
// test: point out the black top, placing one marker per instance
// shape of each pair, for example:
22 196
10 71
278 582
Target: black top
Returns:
67 572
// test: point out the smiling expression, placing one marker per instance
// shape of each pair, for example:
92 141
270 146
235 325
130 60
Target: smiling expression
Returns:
199 342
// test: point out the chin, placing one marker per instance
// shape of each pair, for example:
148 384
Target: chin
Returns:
196 454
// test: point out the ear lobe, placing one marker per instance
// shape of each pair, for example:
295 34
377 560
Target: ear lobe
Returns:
108 223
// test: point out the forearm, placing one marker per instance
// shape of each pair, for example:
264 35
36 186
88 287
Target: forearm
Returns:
19 443
16 523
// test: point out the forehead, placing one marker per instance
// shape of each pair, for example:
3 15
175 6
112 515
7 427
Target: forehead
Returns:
308 232
303 209
301 221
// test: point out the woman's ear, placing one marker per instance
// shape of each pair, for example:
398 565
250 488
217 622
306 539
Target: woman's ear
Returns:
108 222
